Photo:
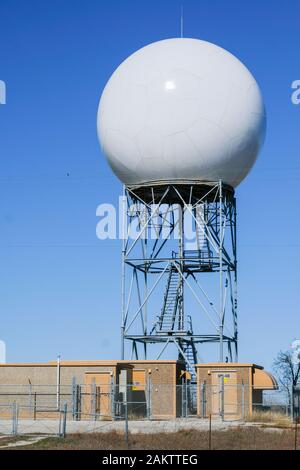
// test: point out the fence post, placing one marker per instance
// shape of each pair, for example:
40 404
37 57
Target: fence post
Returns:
14 419
222 398
34 407
63 421
186 397
148 400
209 433
243 400
182 400
293 404
74 398
59 424
30 397
79 402
112 398
58 383
94 399
126 426
203 399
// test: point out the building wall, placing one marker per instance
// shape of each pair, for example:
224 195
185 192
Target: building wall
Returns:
163 377
251 380
37 383
243 387
24 374
34 387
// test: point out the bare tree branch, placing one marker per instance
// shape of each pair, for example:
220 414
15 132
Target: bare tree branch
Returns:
286 371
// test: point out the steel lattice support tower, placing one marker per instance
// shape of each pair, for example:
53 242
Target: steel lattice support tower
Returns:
176 291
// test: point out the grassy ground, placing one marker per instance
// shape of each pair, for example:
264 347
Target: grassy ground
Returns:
270 417
5 440
251 438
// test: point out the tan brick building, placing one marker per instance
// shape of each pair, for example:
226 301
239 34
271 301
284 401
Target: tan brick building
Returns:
151 389
231 389
98 384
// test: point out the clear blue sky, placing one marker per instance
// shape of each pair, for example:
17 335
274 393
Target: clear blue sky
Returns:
59 285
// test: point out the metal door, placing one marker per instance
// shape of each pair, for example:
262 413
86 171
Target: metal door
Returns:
224 394
98 394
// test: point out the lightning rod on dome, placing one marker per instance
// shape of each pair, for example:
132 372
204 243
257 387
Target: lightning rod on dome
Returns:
181 22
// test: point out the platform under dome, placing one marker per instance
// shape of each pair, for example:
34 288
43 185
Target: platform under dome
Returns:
181 109
179 192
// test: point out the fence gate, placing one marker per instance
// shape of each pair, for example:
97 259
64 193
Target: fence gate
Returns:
97 394
224 394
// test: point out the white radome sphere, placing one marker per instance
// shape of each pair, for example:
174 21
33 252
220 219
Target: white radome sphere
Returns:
181 109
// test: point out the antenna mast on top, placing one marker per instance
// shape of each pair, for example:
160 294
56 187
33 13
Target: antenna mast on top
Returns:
181 22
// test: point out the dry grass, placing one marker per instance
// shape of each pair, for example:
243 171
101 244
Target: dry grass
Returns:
5 440
251 438
271 417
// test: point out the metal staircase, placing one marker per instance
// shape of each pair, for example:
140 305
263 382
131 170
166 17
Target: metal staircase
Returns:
168 321
201 257
190 353
189 350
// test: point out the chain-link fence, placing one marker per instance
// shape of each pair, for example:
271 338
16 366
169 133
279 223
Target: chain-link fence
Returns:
52 409
241 402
